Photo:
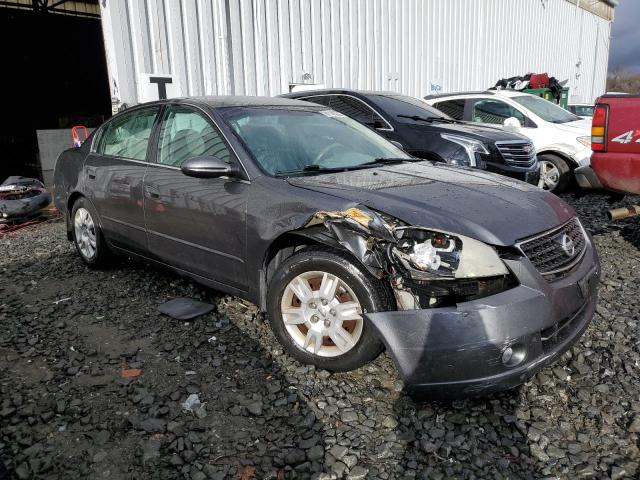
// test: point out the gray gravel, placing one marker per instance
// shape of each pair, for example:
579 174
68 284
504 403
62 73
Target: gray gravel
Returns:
66 412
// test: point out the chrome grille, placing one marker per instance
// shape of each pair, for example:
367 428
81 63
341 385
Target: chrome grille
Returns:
556 251
517 153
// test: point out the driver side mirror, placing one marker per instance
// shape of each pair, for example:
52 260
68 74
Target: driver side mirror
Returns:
397 144
207 166
512 124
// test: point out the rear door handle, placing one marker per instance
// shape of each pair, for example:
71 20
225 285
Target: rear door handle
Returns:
91 173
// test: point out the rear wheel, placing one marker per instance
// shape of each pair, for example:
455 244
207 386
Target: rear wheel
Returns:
87 235
555 173
316 304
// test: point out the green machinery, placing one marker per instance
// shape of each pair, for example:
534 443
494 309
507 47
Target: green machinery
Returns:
548 95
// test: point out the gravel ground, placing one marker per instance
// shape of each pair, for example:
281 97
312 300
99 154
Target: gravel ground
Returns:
66 412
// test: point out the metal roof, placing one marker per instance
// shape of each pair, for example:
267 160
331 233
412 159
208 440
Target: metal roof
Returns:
602 8
79 8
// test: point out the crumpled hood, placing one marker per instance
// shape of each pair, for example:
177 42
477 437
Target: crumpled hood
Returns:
484 206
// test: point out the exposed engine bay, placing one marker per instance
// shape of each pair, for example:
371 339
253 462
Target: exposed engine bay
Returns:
22 198
425 268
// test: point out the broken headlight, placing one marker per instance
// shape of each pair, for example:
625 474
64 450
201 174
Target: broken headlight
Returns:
437 269
434 255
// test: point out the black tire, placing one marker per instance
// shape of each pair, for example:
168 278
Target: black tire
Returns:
370 292
102 254
564 178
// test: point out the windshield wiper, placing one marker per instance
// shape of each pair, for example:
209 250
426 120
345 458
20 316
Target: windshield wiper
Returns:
313 168
418 118
391 160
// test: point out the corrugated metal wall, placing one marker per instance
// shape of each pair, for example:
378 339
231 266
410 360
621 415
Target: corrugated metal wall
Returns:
259 47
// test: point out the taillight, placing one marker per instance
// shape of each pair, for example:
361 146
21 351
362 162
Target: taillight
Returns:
599 128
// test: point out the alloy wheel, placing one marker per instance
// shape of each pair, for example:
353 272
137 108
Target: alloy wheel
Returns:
549 175
85 233
322 314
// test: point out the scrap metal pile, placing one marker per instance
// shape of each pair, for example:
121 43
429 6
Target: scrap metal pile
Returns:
21 199
532 81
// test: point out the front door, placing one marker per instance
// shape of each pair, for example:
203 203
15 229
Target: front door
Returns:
113 175
195 224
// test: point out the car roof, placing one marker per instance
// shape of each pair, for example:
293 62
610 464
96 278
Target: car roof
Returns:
329 91
456 94
500 93
236 101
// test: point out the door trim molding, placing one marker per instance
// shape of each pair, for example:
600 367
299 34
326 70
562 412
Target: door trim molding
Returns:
195 245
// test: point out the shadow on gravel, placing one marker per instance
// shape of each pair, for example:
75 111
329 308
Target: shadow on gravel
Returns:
66 411
483 437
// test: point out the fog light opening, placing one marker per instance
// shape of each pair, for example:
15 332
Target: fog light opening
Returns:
513 355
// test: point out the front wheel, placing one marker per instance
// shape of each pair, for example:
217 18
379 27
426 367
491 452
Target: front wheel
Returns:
317 299
555 174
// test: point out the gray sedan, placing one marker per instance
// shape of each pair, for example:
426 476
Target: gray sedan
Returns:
471 281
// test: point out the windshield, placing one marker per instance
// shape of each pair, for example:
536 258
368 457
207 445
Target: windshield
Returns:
406 106
545 109
286 141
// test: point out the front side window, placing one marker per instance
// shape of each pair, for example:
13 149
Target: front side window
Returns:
452 108
358 110
546 110
494 111
400 107
127 135
283 141
186 134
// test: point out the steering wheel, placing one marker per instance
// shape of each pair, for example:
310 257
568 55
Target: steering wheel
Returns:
326 150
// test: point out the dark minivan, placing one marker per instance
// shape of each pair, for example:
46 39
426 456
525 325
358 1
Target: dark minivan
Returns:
426 132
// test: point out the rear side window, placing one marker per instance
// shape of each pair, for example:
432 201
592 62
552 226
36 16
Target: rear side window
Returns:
453 108
186 134
358 110
582 110
494 111
320 99
127 136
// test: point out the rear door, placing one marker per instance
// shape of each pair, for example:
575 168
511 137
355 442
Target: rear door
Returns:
114 173
195 224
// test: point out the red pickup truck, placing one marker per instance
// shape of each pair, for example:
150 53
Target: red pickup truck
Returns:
615 141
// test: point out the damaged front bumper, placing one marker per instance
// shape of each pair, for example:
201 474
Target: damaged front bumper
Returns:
494 343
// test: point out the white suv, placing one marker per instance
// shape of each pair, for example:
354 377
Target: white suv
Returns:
562 139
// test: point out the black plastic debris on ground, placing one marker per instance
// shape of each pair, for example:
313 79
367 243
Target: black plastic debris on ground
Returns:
185 308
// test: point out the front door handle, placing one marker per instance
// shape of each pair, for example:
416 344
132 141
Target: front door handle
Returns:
151 192
91 173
